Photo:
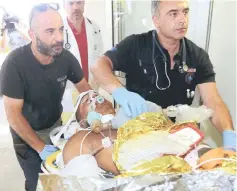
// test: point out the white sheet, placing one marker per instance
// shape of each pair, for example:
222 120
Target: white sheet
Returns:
82 166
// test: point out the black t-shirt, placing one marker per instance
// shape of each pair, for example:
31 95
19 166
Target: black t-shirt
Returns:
144 72
41 86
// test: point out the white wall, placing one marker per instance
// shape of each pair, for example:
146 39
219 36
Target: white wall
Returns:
138 17
198 21
100 12
222 52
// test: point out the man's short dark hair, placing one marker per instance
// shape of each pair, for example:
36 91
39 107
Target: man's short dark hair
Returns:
42 7
154 7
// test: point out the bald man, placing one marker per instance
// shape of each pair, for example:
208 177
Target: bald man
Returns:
33 81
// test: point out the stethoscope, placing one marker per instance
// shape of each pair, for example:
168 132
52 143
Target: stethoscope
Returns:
182 67
67 44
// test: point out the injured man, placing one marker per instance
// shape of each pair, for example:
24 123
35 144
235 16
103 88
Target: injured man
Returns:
102 140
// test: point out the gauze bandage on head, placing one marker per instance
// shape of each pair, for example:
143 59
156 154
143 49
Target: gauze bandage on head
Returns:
93 99
100 112
91 102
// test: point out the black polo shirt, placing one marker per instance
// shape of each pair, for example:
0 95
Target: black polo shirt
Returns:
40 86
133 55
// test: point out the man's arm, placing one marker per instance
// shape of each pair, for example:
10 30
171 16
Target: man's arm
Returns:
17 121
221 118
82 86
119 58
103 74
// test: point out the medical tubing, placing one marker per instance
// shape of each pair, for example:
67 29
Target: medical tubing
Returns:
214 159
154 63
96 150
57 137
184 53
110 136
102 134
83 141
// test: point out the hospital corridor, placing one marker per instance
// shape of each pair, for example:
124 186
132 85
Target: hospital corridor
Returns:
128 95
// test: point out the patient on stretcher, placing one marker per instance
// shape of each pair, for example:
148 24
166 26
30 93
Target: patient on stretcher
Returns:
93 141
146 144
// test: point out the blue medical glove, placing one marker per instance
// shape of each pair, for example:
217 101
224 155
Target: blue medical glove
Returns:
92 116
48 150
229 140
132 103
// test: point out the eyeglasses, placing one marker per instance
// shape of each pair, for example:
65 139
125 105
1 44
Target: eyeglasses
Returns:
42 7
75 1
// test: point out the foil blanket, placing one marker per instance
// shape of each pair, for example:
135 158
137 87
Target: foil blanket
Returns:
216 180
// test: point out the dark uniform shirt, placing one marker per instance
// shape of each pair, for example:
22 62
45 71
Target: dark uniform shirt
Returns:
145 73
41 86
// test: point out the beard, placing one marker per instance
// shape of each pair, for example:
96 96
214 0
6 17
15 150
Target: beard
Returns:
49 50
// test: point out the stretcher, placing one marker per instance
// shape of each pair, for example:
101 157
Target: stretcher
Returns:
59 137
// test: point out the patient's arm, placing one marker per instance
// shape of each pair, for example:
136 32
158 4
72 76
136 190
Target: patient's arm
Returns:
90 144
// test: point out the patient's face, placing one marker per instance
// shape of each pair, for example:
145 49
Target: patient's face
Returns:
104 108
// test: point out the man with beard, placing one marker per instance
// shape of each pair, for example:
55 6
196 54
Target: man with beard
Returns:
164 67
33 81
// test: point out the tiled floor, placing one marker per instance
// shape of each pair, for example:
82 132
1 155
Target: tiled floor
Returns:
11 175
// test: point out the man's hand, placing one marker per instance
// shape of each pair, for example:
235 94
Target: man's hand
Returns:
132 103
229 140
47 150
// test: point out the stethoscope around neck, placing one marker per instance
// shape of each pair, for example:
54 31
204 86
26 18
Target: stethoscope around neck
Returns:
67 44
182 67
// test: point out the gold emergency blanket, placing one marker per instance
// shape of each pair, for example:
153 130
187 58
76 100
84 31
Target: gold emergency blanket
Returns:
230 166
142 127
163 165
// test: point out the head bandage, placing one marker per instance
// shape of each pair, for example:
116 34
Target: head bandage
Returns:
70 128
